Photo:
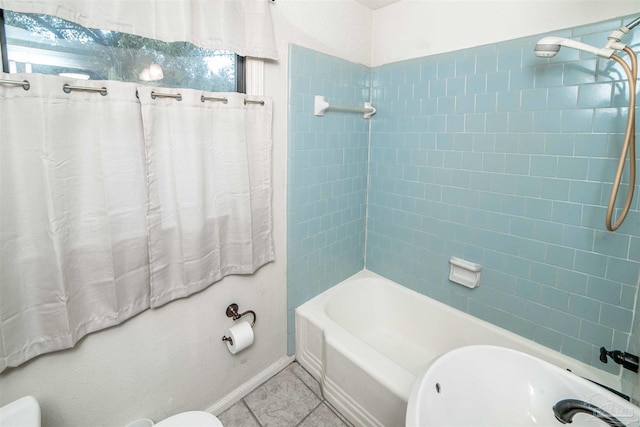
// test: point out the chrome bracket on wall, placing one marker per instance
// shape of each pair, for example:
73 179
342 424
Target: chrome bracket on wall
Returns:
232 311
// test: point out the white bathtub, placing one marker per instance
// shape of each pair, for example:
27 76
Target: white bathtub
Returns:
368 338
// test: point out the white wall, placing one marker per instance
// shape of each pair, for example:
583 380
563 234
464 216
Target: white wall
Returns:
337 27
415 28
161 362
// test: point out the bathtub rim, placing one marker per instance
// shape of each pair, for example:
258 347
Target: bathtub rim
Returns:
314 309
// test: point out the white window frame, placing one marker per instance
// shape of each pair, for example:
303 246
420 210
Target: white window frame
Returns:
254 76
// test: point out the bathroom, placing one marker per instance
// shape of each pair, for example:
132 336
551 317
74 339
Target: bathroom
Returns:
169 360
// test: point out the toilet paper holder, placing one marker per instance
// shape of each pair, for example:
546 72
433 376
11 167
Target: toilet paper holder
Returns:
232 311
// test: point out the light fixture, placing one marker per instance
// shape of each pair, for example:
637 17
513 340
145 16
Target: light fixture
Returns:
79 76
152 73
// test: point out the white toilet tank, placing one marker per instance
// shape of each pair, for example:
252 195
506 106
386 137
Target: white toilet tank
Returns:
24 412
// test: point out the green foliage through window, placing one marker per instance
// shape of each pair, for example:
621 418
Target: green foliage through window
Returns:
50 45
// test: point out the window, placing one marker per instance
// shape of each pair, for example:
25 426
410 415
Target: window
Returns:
35 43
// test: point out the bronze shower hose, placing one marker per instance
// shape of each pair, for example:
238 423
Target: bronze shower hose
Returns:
629 145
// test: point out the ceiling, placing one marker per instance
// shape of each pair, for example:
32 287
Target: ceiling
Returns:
376 4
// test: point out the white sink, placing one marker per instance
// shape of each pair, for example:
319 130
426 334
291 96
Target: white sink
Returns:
494 386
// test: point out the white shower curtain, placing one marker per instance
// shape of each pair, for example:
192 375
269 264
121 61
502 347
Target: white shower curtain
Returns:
104 214
206 219
73 255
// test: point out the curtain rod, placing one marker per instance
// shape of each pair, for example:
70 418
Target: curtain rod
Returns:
67 88
176 96
101 90
24 83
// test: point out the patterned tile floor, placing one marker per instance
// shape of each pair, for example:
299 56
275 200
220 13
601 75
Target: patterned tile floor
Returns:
292 398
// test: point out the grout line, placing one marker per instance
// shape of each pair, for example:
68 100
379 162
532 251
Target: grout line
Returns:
310 412
322 399
305 384
251 412
342 418
368 185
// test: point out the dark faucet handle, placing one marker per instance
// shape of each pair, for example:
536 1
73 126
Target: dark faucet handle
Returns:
616 355
627 360
631 362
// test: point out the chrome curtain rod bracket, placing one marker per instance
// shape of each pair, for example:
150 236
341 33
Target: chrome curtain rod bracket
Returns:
24 83
211 98
176 96
68 88
249 101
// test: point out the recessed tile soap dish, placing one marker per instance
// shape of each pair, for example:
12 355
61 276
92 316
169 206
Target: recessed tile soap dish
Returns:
464 272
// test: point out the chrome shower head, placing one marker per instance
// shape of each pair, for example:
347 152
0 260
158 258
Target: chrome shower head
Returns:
548 47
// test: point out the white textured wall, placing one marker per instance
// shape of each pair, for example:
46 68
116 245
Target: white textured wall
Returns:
415 28
337 27
161 362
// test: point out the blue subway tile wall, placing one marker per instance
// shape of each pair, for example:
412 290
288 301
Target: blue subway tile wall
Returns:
327 176
507 160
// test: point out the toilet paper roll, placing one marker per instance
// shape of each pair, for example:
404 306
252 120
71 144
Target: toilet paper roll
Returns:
241 337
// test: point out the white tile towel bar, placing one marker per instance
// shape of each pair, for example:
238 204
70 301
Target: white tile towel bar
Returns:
321 105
